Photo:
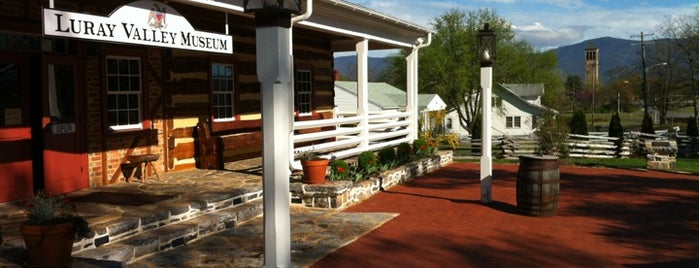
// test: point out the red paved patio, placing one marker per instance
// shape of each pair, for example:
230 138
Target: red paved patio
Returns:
606 218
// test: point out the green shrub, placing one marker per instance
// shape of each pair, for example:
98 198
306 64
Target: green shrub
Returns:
551 135
421 148
387 155
692 130
647 124
404 152
578 124
616 130
339 170
367 162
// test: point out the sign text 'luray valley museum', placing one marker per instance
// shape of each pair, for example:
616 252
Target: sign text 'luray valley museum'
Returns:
142 22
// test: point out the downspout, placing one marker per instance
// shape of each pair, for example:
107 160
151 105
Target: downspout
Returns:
306 13
293 165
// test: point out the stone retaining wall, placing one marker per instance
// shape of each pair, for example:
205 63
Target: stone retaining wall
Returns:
341 194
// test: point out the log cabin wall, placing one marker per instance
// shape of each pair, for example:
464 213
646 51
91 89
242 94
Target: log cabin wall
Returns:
176 87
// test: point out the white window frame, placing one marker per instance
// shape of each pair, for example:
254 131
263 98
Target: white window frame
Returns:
304 92
138 93
513 122
217 83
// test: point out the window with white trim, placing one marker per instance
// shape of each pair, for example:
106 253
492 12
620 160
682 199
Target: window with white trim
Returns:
304 91
124 93
223 91
513 122
449 123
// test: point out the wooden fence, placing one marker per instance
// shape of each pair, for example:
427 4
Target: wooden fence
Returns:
589 146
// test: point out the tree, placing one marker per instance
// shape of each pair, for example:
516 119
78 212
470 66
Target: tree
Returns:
647 124
449 66
573 86
616 130
578 124
683 35
692 130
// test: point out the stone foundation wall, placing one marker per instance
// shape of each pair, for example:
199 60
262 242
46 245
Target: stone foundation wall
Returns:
340 194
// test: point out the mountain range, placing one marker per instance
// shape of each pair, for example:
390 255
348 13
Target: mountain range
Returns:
615 56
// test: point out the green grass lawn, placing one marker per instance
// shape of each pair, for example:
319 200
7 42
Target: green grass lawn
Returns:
690 165
683 164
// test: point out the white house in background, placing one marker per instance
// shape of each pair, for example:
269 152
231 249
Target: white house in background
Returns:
383 97
516 108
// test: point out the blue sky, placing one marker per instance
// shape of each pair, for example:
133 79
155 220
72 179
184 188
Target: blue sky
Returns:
551 23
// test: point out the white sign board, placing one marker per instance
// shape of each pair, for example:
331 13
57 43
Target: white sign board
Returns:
142 22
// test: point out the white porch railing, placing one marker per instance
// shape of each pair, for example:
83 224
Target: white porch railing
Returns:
352 134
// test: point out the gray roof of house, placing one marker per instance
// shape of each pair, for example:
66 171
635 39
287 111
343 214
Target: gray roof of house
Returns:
385 95
506 89
526 91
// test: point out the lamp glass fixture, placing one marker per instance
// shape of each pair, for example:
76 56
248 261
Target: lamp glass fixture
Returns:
486 46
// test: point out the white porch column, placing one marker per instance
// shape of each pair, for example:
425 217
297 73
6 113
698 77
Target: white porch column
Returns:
274 68
411 93
362 49
486 148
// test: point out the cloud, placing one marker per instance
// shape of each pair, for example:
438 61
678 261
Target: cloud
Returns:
542 37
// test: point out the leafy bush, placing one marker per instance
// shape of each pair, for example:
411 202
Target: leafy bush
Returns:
616 130
647 124
578 124
367 162
387 156
339 170
404 152
421 148
552 137
692 130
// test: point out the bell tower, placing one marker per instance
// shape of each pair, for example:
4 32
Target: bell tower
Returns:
592 67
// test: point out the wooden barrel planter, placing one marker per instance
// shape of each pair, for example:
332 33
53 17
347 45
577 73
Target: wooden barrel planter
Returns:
538 185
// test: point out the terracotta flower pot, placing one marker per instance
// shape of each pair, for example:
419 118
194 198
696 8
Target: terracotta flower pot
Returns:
314 171
48 245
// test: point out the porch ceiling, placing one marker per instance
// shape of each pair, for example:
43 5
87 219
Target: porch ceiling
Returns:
344 22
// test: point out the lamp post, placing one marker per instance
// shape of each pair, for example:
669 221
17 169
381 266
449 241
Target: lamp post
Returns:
486 57
645 88
274 72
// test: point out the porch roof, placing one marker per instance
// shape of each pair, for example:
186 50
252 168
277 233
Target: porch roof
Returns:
347 23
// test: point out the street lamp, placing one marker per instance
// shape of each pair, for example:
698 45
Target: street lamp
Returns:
274 72
486 57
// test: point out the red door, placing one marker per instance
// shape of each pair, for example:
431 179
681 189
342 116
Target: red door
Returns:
16 176
64 154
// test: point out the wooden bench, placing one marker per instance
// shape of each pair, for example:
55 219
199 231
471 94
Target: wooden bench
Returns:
140 162
212 147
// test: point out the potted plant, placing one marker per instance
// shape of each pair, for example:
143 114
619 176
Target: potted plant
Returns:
314 168
50 230
538 181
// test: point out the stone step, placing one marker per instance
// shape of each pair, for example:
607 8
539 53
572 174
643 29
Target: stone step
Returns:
128 250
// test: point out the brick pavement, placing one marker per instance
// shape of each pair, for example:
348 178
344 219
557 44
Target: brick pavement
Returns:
606 218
